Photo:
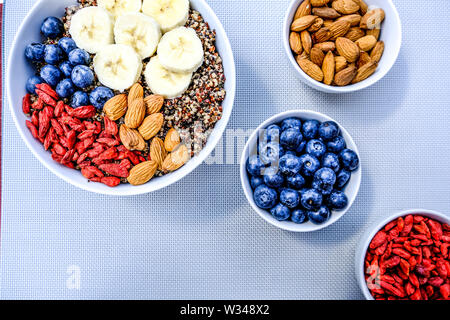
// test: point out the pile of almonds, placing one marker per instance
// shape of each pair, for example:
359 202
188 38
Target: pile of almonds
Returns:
142 123
336 41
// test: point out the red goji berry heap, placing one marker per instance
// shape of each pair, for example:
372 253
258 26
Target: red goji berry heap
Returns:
409 260
77 140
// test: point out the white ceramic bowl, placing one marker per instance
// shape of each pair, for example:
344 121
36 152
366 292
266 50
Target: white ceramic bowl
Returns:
391 34
363 245
19 70
351 190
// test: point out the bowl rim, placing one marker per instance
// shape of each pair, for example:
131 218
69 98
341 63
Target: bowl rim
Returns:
334 89
300 113
368 235
172 178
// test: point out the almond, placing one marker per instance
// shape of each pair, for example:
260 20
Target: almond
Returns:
355 33
363 59
374 32
317 56
377 51
136 92
364 7
306 41
304 55
347 48
326 46
135 113
157 151
303 10
328 67
176 159
311 69
316 25
366 43
326 13
372 19
339 29
327 23
354 19
295 42
151 125
131 138
340 63
153 103
365 71
172 140
344 77
319 3
142 173
322 35
303 23
116 107
345 6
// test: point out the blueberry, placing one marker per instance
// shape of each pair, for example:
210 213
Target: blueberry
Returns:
273 177
35 52
82 76
291 123
301 147
99 96
328 130
311 199
324 180
52 27
315 148
65 88
291 138
51 74
256 182
265 197
79 57
53 54
336 145
337 200
342 178
309 165
272 133
280 212
271 152
299 216
255 166
310 129
289 165
349 159
296 182
79 99
290 198
66 69
331 160
292 153
320 216
32 82
67 44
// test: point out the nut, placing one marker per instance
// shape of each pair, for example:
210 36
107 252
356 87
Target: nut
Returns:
157 151
142 173
339 29
303 23
153 103
365 71
355 33
136 92
176 159
135 113
377 51
372 19
354 19
328 67
319 3
363 6
340 63
322 35
131 138
374 32
326 46
116 107
295 42
326 13
303 10
316 25
306 41
366 43
172 140
363 59
347 48
151 125
344 77
311 69
345 6
317 56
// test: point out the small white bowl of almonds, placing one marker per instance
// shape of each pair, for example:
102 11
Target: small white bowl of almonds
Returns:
339 46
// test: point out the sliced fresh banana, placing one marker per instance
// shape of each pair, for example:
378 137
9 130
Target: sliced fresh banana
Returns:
164 82
118 66
138 31
181 50
169 13
118 7
92 28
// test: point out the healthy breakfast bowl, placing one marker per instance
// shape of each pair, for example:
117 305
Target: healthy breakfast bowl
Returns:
340 46
88 91
300 170
405 256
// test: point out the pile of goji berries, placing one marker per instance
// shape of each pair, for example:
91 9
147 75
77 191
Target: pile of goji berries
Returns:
409 259
77 140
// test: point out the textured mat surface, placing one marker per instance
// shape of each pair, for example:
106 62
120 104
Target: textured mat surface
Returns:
199 238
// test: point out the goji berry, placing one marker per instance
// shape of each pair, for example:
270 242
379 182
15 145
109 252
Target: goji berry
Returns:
38 104
84 112
378 240
46 98
26 104
110 181
48 90
114 169
110 126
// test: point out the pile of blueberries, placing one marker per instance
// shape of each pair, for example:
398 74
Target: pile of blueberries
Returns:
65 68
301 169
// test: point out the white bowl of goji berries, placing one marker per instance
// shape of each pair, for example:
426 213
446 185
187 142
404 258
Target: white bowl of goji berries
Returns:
405 256
19 70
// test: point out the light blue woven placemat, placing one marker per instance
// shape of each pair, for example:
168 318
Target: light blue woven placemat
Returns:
199 238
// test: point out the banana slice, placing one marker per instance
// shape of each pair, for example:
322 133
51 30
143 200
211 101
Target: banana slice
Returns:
118 7
92 28
164 82
118 66
181 50
138 31
169 13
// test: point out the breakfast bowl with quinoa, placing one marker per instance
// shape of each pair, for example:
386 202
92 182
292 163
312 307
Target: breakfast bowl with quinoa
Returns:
121 97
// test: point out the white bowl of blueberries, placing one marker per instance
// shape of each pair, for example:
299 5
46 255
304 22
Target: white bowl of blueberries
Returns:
300 170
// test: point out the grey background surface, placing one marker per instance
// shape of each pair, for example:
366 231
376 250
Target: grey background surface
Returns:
199 238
